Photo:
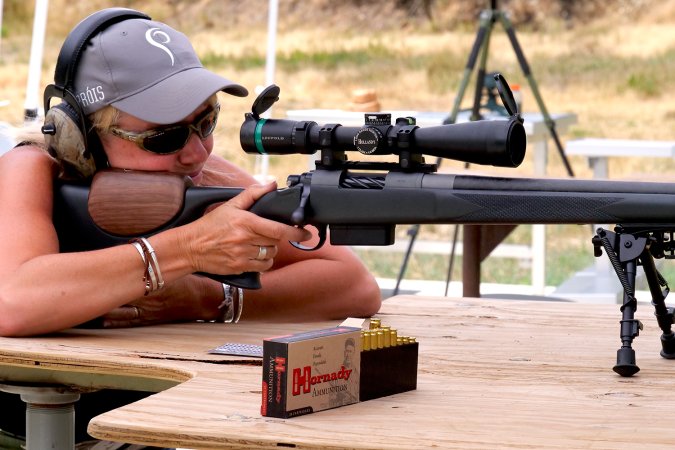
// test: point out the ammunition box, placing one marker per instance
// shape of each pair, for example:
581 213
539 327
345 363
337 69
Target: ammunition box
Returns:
312 371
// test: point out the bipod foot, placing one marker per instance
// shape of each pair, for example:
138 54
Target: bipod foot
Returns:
625 362
668 346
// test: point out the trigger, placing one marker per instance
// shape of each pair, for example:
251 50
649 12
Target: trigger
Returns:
322 240
298 216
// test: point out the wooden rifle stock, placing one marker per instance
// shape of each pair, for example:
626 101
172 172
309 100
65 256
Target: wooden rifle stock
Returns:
129 203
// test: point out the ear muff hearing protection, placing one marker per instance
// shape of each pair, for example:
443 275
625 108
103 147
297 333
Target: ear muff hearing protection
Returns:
67 133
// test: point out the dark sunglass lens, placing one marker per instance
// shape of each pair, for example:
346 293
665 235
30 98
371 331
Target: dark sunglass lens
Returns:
207 125
167 141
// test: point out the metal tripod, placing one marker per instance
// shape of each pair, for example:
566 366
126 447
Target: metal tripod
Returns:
475 234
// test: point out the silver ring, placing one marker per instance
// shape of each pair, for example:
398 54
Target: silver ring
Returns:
262 253
138 312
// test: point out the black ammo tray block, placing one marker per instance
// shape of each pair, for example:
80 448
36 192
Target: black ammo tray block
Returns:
389 370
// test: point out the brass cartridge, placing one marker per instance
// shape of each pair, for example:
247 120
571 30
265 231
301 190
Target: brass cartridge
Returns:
365 340
380 338
393 338
386 341
373 340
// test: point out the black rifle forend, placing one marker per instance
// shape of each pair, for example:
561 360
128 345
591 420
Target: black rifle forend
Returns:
358 208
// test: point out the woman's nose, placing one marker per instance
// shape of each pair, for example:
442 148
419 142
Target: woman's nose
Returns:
195 150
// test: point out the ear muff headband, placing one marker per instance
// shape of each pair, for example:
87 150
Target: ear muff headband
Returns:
69 58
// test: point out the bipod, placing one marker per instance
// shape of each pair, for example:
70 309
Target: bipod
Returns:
627 250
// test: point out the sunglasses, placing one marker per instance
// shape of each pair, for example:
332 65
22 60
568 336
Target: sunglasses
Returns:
172 138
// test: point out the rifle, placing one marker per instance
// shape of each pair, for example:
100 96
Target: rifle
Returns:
362 202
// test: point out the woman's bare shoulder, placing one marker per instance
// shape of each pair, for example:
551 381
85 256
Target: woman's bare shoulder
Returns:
30 161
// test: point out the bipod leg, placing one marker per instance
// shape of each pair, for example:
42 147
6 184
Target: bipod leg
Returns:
630 327
664 316
623 251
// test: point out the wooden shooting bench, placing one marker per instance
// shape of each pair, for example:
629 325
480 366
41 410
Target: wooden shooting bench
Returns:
492 374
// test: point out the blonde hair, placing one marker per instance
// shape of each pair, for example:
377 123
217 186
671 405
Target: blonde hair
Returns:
106 118
29 133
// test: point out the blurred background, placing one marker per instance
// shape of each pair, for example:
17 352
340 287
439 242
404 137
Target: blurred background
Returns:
608 62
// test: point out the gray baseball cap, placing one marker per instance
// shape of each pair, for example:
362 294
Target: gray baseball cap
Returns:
147 69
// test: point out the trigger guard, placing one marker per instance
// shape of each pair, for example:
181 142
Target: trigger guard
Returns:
322 240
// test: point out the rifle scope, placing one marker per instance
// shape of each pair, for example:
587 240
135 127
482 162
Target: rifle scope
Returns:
488 142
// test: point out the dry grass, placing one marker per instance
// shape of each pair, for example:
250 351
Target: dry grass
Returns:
604 103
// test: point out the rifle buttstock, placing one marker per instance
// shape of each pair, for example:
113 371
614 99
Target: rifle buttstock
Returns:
129 203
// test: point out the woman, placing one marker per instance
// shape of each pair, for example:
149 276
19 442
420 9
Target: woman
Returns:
153 107
137 82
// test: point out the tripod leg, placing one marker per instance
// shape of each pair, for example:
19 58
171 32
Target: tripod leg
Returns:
489 18
480 79
412 232
486 22
664 315
550 124
451 259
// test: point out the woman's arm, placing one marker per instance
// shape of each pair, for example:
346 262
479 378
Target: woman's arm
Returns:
34 278
42 290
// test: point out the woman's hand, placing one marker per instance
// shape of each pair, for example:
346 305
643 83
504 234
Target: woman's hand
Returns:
230 239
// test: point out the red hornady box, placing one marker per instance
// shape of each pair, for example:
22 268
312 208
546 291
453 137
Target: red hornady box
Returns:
311 371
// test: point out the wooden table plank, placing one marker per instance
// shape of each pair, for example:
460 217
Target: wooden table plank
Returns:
492 374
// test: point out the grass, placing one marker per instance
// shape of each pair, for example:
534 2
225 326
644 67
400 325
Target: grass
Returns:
612 72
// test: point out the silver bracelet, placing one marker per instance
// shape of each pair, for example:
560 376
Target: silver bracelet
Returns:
152 277
232 305
156 274
240 305
147 283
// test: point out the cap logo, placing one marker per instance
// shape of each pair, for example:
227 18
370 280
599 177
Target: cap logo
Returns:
162 37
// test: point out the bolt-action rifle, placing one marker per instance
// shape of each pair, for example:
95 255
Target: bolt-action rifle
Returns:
362 202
